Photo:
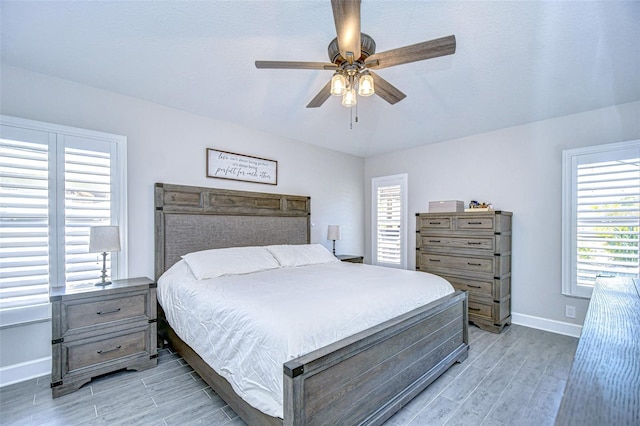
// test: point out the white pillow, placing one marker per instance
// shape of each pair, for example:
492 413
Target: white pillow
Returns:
300 255
230 261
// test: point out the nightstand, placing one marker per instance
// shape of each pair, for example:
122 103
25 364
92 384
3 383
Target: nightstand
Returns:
350 258
98 330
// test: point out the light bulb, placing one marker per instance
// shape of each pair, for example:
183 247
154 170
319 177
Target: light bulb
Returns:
365 85
338 84
349 97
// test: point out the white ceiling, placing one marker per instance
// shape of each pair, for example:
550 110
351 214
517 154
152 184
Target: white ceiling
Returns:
516 62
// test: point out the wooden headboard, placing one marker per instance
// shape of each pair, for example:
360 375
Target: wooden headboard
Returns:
190 218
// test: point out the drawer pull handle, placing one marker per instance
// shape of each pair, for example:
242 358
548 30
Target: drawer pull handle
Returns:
473 309
108 312
473 244
434 241
110 350
474 223
435 223
474 264
434 260
474 286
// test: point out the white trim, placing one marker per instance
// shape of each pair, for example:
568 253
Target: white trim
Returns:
559 327
24 371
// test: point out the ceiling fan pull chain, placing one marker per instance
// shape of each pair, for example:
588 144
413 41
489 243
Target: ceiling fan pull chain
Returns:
351 118
356 113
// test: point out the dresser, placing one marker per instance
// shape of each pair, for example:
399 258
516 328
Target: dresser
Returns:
602 388
473 252
98 330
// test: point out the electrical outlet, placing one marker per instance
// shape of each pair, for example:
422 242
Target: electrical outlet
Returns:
570 311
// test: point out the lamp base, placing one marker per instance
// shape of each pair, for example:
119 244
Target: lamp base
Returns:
103 283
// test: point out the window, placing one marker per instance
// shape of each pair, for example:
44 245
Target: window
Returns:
389 239
601 214
55 183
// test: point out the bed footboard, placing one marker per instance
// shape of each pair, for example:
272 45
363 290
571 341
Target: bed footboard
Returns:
367 377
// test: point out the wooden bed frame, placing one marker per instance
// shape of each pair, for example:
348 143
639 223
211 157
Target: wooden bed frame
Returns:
362 379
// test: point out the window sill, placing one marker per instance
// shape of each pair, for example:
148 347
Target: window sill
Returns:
27 315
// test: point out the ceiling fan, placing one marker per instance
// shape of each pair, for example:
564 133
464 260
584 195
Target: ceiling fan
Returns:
353 56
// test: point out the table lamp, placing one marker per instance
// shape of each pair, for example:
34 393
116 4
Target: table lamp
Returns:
103 239
333 233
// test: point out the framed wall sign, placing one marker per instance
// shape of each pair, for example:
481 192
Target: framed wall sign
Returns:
228 165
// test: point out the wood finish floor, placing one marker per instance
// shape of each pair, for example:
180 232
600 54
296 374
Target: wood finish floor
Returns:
514 378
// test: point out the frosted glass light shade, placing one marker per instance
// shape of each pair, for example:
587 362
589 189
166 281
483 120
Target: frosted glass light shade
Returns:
103 239
365 85
338 84
349 97
333 232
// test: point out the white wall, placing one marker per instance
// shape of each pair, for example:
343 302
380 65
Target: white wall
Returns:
519 170
168 145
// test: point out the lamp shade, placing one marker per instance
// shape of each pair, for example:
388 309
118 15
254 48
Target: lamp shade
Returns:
104 239
333 232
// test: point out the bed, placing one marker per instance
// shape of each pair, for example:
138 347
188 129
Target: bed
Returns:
360 379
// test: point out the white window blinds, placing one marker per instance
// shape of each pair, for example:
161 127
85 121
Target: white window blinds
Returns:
87 202
603 215
53 187
608 197
24 223
389 219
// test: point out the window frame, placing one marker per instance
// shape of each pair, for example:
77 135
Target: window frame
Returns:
570 161
376 182
56 143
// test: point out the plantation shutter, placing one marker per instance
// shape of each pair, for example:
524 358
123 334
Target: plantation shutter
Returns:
608 212
600 215
24 220
389 220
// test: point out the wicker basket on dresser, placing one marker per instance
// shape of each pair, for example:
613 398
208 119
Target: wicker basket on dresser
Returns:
473 252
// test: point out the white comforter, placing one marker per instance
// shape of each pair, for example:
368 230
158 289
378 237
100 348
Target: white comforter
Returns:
247 326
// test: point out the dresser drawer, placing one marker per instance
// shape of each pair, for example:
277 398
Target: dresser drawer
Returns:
93 353
441 242
484 223
482 311
440 262
434 223
89 312
474 287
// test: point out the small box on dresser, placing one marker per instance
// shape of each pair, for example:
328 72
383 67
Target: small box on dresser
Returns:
98 330
473 252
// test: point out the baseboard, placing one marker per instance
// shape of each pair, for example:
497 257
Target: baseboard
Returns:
545 324
24 371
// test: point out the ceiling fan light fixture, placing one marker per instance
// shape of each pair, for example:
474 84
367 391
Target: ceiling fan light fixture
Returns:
338 84
349 98
365 84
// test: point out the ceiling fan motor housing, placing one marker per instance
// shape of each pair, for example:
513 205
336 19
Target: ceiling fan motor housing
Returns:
367 47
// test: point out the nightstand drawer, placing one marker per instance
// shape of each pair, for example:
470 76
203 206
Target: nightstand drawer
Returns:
94 353
90 312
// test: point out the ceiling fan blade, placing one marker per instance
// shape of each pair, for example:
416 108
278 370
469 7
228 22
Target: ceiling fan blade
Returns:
346 14
415 52
386 90
322 96
296 65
